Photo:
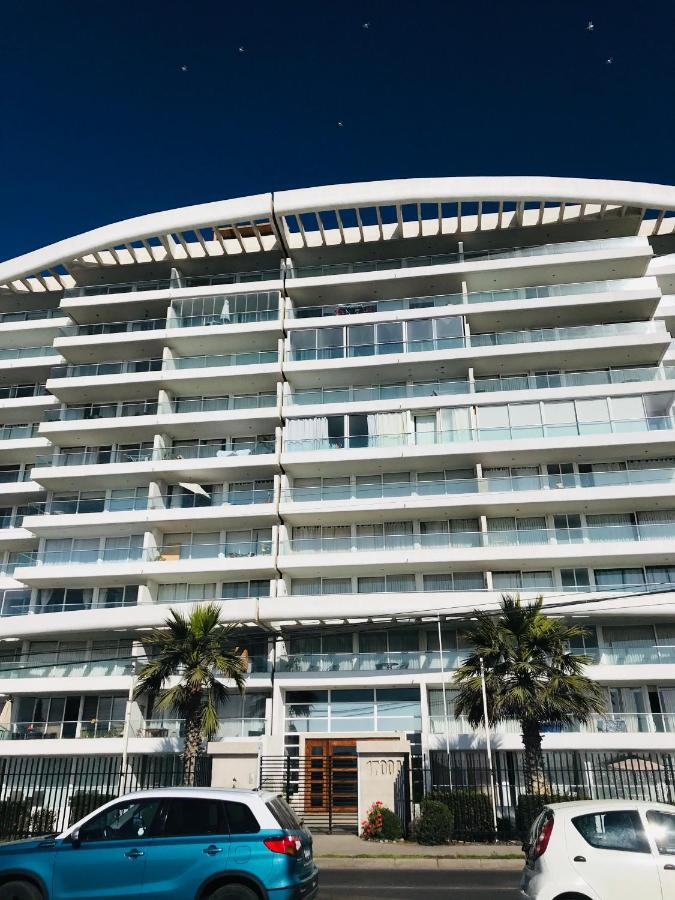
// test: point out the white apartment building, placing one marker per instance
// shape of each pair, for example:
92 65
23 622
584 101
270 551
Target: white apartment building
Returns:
352 415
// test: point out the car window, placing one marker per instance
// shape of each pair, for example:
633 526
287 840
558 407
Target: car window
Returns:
192 816
662 829
241 819
614 830
283 813
124 821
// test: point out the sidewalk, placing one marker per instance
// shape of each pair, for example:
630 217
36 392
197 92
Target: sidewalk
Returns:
331 849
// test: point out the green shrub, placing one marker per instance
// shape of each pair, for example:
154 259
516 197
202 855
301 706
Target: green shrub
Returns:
381 824
529 807
471 812
391 826
435 823
83 802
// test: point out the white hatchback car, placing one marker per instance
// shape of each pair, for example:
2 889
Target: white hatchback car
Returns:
601 850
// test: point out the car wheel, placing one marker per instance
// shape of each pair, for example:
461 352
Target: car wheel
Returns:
233 892
19 890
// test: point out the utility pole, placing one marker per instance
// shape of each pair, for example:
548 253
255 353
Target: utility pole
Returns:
488 744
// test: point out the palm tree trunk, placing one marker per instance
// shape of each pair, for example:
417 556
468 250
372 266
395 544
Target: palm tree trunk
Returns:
535 782
193 742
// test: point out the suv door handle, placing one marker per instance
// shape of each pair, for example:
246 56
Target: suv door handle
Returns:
212 850
133 854
669 866
579 859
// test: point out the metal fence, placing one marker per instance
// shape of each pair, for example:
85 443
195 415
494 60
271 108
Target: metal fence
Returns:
42 795
322 788
463 780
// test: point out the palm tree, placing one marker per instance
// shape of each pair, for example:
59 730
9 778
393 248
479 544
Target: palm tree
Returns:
530 675
198 649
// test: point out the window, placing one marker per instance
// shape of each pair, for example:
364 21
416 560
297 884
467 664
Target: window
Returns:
615 830
192 816
575 579
240 818
662 829
124 821
118 595
615 579
182 593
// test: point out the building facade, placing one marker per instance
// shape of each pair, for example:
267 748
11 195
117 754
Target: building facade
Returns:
352 415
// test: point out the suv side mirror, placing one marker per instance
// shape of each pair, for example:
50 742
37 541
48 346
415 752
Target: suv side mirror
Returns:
75 838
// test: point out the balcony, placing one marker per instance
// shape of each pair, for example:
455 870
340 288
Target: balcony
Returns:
31 315
321 396
174 729
525 537
380 265
164 554
105 456
8 354
609 723
31 731
488 339
465 435
135 325
110 410
90 669
163 284
541 292
505 484
392 661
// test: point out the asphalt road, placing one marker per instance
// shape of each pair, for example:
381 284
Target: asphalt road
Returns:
417 884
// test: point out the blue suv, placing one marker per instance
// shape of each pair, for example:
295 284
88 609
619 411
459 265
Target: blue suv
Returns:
182 843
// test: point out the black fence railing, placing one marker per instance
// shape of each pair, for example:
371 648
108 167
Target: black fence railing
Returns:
321 787
462 780
45 794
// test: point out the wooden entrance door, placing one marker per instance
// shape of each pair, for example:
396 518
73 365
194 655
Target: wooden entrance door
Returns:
331 775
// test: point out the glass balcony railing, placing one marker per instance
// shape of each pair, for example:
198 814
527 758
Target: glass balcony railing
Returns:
385 661
31 315
125 367
231 318
17 432
435 300
496 484
609 723
488 339
213 404
591 534
102 411
98 328
166 553
464 435
179 452
93 728
380 265
89 668
26 352
132 503
482 384
163 284
175 728
633 655
247 358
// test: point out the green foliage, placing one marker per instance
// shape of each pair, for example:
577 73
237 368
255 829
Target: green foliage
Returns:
531 675
198 650
471 812
381 824
435 823
391 825
83 802
529 807
19 819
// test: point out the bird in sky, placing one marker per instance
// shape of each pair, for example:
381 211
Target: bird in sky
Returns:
340 124
242 49
183 68
609 60
590 26
366 25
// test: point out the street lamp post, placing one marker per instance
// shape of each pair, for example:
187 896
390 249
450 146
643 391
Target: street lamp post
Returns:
131 668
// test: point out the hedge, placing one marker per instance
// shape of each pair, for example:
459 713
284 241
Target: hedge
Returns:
435 823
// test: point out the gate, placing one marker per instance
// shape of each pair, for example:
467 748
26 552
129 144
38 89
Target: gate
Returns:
321 787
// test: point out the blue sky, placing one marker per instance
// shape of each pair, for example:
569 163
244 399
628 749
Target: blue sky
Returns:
98 120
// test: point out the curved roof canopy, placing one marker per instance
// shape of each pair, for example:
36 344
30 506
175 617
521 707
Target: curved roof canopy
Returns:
338 214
